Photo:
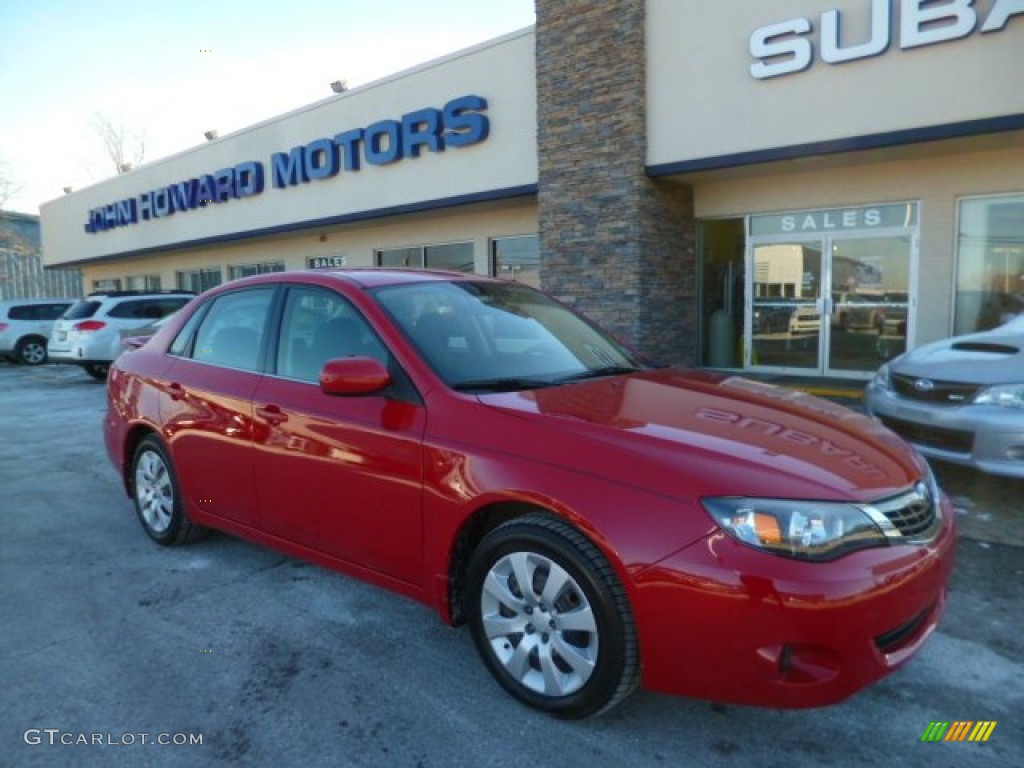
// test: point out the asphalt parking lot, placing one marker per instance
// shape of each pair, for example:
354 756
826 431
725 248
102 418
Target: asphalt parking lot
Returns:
274 662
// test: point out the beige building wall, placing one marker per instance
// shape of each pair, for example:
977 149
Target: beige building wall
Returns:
704 102
356 243
936 176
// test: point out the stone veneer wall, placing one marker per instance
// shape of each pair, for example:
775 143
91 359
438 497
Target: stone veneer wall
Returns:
615 243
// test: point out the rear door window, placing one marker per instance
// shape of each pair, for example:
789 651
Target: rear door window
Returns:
232 333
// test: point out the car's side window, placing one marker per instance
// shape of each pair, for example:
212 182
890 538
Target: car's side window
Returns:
128 309
319 325
232 331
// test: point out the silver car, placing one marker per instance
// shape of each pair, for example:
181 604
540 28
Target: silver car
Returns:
960 399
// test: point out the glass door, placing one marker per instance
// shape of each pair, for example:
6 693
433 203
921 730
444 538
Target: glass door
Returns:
869 306
784 312
829 292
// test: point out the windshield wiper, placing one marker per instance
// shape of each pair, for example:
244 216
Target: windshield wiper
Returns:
595 373
507 384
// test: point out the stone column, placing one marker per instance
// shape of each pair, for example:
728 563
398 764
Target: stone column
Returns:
615 243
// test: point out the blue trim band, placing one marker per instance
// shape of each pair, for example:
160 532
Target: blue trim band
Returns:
836 146
508 193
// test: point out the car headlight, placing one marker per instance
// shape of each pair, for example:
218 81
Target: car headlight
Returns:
805 530
1003 395
881 380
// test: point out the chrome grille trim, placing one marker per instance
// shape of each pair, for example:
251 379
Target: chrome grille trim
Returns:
913 515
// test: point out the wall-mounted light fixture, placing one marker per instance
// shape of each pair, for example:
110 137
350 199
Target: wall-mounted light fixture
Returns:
339 86
211 135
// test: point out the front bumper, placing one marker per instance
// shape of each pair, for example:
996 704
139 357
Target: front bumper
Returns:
723 621
988 438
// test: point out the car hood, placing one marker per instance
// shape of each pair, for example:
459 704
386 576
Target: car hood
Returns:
991 357
694 433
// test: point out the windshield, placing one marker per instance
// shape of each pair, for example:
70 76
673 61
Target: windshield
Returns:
500 336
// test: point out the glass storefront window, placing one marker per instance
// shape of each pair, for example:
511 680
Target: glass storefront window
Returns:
198 280
517 259
455 257
990 262
110 284
400 258
142 282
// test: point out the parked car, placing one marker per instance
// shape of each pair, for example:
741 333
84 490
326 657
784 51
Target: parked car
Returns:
88 334
960 400
133 338
25 326
805 319
598 522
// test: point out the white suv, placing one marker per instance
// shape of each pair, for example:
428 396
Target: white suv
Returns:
25 327
88 334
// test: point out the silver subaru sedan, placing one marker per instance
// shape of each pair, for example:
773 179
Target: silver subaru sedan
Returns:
959 400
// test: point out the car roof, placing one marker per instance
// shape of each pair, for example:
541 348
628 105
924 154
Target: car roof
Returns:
372 278
369 277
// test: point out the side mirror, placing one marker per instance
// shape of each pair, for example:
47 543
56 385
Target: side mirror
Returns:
353 376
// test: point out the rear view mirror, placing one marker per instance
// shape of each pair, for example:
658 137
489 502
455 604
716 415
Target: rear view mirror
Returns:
353 376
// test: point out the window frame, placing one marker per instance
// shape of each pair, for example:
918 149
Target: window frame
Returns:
189 333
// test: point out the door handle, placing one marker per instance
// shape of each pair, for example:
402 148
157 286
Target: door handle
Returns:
272 414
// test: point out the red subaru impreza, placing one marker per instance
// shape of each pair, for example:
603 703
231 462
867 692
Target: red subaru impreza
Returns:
600 523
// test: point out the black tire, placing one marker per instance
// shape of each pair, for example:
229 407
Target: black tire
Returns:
157 496
98 370
577 643
31 350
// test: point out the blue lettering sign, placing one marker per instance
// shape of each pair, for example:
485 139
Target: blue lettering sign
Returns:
161 202
460 123
224 185
126 212
289 168
183 195
146 206
348 143
422 128
320 159
464 123
248 179
383 144
207 190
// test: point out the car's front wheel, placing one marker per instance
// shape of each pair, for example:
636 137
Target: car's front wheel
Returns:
551 619
31 351
157 496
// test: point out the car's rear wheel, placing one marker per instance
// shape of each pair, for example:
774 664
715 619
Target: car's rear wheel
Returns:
157 496
551 619
97 370
31 351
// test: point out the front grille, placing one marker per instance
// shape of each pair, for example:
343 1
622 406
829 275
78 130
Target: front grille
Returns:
938 392
894 638
913 513
954 440
914 518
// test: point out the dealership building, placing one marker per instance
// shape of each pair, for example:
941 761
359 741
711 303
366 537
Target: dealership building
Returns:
803 187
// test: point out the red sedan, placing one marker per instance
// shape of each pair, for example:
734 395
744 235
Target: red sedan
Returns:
598 522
